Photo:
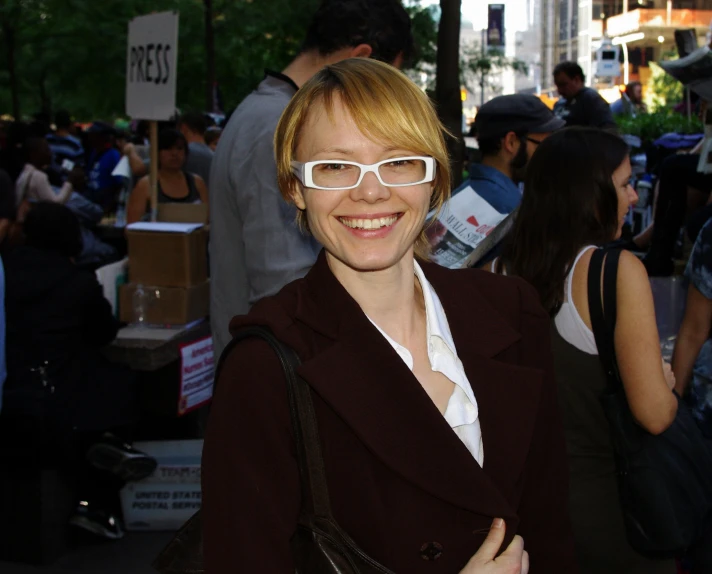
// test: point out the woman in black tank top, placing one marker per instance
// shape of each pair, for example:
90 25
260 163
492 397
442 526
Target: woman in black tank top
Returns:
174 184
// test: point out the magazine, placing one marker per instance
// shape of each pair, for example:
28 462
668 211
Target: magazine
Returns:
465 230
694 70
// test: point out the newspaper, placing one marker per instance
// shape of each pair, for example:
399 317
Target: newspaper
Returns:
694 70
465 230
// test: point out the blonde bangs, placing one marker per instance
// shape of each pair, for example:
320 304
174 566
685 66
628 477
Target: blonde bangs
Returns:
384 104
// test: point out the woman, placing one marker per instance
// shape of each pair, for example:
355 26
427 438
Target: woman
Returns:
33 183
577 195
175 185
433 389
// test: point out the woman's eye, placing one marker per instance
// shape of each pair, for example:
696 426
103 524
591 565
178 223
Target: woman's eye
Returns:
331 166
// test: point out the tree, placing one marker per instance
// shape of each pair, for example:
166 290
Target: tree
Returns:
447 87
481 64
72 53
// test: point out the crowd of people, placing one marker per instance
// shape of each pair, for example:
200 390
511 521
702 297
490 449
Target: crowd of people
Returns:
459 412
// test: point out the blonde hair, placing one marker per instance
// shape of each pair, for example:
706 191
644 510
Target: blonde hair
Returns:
385 105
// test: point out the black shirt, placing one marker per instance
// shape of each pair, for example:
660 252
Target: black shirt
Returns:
587 108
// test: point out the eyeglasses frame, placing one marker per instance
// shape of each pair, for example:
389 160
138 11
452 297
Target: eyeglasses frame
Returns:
303 171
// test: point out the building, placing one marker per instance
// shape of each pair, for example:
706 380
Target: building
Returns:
573 29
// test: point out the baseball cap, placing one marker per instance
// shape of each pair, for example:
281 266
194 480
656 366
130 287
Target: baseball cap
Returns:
519 113
101 128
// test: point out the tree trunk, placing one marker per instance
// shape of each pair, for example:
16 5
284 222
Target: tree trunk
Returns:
447 87
9 33
209 56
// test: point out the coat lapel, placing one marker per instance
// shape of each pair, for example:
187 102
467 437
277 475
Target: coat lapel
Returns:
363 379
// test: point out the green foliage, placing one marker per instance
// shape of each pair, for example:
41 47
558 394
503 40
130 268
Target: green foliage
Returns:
649 127
479 65
72 53
664 90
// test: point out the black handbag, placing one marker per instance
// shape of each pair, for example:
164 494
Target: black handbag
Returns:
665 480
319 545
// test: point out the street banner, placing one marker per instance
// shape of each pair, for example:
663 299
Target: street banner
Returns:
151 57
495 25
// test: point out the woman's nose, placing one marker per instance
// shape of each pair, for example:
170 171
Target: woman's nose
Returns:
632 195
370 189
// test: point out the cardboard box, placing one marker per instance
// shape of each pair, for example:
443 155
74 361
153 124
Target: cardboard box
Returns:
165 254
171 495
183 212
167 305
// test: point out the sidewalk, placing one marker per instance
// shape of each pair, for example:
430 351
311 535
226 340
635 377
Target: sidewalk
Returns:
131 555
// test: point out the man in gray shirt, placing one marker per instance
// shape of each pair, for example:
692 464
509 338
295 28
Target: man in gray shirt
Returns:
255 245
200 157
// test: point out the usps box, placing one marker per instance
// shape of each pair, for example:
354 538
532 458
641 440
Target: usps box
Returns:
171 495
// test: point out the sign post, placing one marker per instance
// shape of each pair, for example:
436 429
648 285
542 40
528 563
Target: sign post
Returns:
151 73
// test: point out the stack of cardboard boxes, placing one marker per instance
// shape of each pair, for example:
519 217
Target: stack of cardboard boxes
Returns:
169 261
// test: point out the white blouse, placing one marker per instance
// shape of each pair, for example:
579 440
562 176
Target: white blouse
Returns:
461 413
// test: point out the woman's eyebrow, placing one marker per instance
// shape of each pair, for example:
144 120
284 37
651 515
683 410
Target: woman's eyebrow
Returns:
336 150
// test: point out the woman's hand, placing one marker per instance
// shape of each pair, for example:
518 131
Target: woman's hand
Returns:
669 375
514 560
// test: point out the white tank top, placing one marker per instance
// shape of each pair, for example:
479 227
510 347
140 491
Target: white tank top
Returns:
568 322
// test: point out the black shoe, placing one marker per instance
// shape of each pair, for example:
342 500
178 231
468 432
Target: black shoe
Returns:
97 521
120 459
657 267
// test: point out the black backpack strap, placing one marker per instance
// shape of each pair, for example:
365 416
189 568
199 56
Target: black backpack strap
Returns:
602 307
315 494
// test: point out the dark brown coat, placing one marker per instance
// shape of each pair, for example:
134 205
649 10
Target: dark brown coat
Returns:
402 484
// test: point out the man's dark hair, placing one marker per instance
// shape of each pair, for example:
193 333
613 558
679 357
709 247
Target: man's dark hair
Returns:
382 24
195 121
62 120
53 227
631 86
489 146
571 69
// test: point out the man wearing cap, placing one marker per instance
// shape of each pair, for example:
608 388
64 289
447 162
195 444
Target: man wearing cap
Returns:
508 129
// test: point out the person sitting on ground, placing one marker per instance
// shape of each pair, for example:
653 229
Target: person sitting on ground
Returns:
420 414
630 102
212 137
577 196
578 104
57 379
33 183
175 184
200 156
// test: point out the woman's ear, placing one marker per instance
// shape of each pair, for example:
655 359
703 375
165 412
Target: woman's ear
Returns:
297 196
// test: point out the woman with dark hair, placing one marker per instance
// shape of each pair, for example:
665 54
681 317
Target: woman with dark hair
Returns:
175 185
577 194
60 390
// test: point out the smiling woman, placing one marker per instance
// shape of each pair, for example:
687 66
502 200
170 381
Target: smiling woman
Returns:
418 374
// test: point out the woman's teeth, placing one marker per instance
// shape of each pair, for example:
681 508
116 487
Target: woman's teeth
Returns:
369 223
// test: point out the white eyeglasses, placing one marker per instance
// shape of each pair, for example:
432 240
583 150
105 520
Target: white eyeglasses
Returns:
338 174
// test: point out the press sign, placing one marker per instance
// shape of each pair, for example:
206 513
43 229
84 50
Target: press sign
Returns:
151 66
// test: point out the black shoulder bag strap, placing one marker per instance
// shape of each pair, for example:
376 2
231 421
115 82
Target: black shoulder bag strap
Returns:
301 409
184 554
603 315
